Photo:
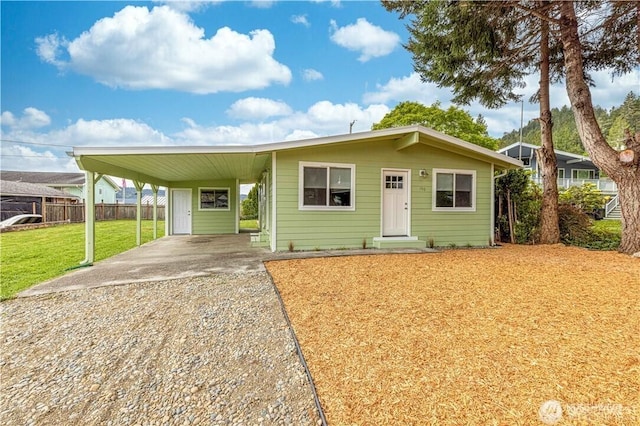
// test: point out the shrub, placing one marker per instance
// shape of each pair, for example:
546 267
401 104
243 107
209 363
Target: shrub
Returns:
574 223
577 229
587 198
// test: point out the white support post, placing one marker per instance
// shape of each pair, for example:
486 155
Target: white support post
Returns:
274 229
237 229
155 188
139 185
90 218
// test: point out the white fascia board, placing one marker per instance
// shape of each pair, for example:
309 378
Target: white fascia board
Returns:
513 145
535 147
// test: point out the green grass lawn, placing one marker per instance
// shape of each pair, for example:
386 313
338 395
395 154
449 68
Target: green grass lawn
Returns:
608 225
33 256
249 224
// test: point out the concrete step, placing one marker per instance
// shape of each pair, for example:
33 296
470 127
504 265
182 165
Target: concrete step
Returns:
398 242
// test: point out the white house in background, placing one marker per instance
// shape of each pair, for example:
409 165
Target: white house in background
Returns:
70 183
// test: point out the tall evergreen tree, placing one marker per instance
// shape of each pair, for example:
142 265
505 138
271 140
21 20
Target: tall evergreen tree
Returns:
614 43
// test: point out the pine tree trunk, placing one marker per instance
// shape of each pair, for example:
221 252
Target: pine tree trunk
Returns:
629 193
627 175
546 156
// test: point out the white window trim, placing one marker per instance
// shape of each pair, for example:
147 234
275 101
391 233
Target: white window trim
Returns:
573 172
453 209
564 175
214 209
301 206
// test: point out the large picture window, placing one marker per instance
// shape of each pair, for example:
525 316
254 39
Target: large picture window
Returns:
326 186
213 199
454 190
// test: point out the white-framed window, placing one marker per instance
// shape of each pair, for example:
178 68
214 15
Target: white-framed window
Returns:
326 186
583 174
560 173
213 199
454 190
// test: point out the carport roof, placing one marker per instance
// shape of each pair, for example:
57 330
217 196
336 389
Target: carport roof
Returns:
170 164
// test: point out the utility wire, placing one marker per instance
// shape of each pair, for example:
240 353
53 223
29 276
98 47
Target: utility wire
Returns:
32 156
36 143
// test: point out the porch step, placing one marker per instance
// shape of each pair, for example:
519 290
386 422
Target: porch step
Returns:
398 242
615 214
259 239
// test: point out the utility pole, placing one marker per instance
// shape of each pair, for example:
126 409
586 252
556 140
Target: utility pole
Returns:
521 118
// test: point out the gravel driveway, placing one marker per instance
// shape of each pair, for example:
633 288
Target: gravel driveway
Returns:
207 350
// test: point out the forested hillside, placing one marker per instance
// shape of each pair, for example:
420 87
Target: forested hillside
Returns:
565 134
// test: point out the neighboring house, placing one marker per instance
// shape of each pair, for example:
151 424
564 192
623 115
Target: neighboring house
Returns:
573 169
28 198
400 187
71 183
148 199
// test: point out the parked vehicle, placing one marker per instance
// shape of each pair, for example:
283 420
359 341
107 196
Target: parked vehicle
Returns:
21 219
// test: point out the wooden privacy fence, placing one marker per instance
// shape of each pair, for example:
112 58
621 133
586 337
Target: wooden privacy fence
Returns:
75 212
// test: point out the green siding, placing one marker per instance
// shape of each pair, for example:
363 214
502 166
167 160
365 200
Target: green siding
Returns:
309 230
211 221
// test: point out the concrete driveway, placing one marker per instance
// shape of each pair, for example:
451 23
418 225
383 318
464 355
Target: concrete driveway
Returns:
183 256
164 259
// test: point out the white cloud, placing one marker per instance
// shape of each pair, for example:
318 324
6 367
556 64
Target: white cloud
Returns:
258 108
321 119
608 94
163 49
300 19
262 4
409 88
32 118
188 6
311 75
50 47
112 132
29 158
370 40
300 134
334 3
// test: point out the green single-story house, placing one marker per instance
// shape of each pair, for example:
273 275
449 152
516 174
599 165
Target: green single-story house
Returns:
399 187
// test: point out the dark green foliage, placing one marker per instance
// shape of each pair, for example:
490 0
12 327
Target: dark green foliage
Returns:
250 204
526 198
565 133
452 121
574 223
576 228
587 197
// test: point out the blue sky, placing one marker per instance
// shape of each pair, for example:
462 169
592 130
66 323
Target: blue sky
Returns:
212 73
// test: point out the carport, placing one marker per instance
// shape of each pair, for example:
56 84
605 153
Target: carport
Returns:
170 167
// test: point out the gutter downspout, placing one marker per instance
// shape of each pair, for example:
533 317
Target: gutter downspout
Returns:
493 204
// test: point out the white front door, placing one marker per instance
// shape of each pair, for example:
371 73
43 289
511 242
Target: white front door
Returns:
181 211
395 203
